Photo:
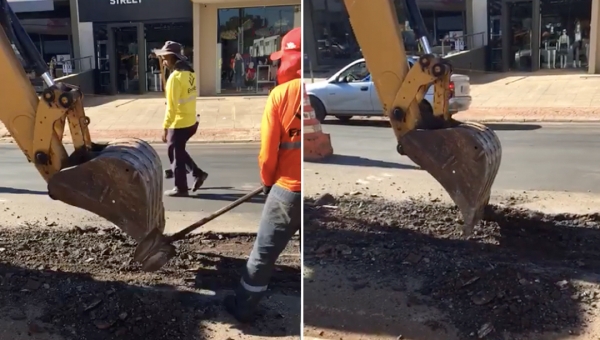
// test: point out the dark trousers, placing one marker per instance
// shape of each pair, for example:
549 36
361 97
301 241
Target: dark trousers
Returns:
180 159
280 220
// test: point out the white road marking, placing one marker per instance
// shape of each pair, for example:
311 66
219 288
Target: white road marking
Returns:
372 178
249 186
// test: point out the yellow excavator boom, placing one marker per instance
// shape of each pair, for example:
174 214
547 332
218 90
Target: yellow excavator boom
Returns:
463 157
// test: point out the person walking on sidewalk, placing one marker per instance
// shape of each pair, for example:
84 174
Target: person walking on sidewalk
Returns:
280 163
181 122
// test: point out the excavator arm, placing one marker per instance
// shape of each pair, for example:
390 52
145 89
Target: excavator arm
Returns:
120 181
463 157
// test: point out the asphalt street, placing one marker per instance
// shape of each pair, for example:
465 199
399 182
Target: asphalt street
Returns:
549 157
232 168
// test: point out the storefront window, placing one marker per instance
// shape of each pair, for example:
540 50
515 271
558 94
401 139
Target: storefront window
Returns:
562 41
246 38
156 36
565 33
334 38
336 44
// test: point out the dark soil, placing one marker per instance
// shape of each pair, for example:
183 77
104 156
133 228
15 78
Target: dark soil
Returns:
521 272
88 287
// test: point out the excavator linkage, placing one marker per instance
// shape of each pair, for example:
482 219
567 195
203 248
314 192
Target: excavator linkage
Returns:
122 184
120 181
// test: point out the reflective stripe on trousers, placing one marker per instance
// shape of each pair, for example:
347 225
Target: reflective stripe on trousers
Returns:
290 145
253 289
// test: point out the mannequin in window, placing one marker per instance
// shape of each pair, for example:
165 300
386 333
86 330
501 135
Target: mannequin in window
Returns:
230 70
238 72
563 48
153 62
577 45
250 76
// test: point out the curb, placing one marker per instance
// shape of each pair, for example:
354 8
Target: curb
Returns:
8 140
497 120
531 120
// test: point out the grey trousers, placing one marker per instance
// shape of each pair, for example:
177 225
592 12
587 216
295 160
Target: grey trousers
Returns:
281 219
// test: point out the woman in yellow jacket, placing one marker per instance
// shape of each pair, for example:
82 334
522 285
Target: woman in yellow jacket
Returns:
181 122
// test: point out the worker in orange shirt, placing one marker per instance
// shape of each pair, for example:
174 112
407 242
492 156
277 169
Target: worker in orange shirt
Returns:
280 162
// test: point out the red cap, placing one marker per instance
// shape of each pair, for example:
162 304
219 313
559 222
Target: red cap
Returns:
292 41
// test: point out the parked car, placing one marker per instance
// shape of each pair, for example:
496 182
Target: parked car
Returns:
350 92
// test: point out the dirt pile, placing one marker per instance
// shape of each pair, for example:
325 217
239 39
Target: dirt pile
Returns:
83 284
521 272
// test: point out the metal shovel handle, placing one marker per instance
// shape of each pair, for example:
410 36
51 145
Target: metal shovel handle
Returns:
182 233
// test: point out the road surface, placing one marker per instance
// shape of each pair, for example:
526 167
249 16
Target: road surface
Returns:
372 272
232 169
529 152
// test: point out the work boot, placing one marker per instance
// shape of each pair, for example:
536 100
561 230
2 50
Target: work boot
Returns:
176 192
199 179
242 305
169 174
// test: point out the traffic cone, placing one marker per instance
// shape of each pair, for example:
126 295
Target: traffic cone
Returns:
317 145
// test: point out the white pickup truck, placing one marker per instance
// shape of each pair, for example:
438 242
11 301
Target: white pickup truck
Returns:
350 92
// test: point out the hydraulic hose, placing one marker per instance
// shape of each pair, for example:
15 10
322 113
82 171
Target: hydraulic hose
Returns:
23 43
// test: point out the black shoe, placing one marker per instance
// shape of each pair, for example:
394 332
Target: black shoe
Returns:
241 314
177 193
169 174
199 180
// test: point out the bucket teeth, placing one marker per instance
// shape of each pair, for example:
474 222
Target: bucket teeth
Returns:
464 159
123 184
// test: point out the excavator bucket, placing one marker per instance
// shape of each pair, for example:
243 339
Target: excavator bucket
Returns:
122 184
464 159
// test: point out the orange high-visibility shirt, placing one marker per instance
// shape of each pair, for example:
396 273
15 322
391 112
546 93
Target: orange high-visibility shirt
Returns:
280 158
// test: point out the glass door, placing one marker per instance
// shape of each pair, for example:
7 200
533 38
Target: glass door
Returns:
495 43
127 57
520 19
103 62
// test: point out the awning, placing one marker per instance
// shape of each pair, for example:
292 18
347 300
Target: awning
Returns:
47 26
20 6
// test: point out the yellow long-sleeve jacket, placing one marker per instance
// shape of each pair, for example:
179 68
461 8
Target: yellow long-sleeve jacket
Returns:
181 94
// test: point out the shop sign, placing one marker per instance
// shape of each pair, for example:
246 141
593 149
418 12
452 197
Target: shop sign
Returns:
125 2
133 10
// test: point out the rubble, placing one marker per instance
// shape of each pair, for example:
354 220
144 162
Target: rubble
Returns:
521 272
110 298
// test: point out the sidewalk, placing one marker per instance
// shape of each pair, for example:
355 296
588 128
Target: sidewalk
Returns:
222 119
544 96
532 97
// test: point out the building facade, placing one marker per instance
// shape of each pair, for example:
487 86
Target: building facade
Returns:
233 40
329 39
48 24
213 33
517 35
124 33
